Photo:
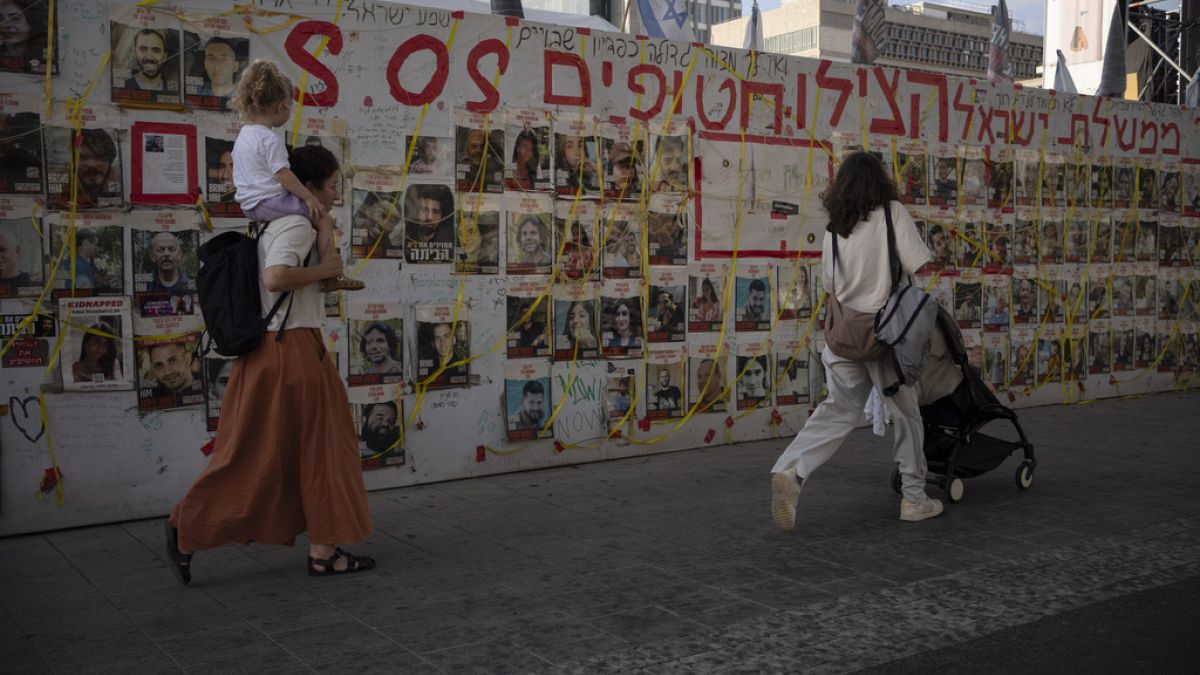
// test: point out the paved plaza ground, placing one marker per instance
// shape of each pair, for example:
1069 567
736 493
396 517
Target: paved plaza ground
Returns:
671 564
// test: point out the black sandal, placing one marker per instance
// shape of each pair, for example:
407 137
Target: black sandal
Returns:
181 563
354 563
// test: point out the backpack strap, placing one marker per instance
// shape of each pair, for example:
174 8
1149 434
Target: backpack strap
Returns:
288 295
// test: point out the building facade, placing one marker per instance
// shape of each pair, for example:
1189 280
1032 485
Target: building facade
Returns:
703 14
950 37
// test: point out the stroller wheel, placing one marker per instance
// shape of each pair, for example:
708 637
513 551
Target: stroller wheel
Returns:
1024 477
896 481
954 490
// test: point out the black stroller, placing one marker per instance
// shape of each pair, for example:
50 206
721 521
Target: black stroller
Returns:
954 447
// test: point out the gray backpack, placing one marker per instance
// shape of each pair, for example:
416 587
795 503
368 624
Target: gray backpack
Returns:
906 321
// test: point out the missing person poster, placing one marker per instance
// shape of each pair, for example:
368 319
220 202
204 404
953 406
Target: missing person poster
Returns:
1123 177
529 217
623 160
216 142
620 392
169 373
1053 181
576 156
972 176
621 324
443 346
575 332
528 318
429 222
21 273
995 360
1022 357
163 163
910 171
999 160
477 244
164 258
32 348
791 369
99 241
708 362
665 382
575 225
213 61
668 302
527 150
376 226
527 400
97 174
708 283
666 230
754 373
1049 355
97 352
621 234
1170 196
20 145
379 418
667 168
753 297
995 302
968 299
376 336
144 62
943 175
793 291
1099 346
1028 167
479 150
432 157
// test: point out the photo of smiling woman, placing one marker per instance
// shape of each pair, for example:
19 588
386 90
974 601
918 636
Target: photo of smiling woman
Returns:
621 322
23 36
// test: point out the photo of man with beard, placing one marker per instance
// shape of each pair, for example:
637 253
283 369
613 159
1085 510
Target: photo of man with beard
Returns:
380 430
145 65
429 224
98 171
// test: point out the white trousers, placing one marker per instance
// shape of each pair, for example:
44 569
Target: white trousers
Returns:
850 384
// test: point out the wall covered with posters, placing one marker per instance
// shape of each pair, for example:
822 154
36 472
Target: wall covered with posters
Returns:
576 245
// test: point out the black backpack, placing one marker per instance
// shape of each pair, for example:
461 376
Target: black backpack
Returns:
228 286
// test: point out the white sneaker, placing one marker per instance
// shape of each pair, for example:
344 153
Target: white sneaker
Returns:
785 492
914 511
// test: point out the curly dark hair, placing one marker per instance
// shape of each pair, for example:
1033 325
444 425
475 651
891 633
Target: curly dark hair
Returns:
861 185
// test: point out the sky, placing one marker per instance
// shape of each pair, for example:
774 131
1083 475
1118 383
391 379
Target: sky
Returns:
1032 12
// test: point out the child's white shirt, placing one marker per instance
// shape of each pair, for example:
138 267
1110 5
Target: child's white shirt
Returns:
258 154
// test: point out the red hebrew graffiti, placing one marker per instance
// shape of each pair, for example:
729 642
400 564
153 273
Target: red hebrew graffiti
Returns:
1151 147
1122 124
968 107
730 104
636 86
437 81
1170 129
916 109
295 48
895 125
552 59
843 86
751 88
1078 121
491 97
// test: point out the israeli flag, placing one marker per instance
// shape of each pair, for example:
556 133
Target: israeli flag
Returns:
668 19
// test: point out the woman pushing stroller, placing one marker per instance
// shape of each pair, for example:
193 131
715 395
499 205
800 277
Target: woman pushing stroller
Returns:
861 280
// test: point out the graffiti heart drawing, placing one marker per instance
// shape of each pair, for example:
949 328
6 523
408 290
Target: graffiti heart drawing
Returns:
26 418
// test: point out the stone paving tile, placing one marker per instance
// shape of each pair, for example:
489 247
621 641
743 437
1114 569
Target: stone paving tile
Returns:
374 660
487 658
648 564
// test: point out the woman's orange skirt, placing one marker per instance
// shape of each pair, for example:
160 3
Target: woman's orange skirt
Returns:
286 458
